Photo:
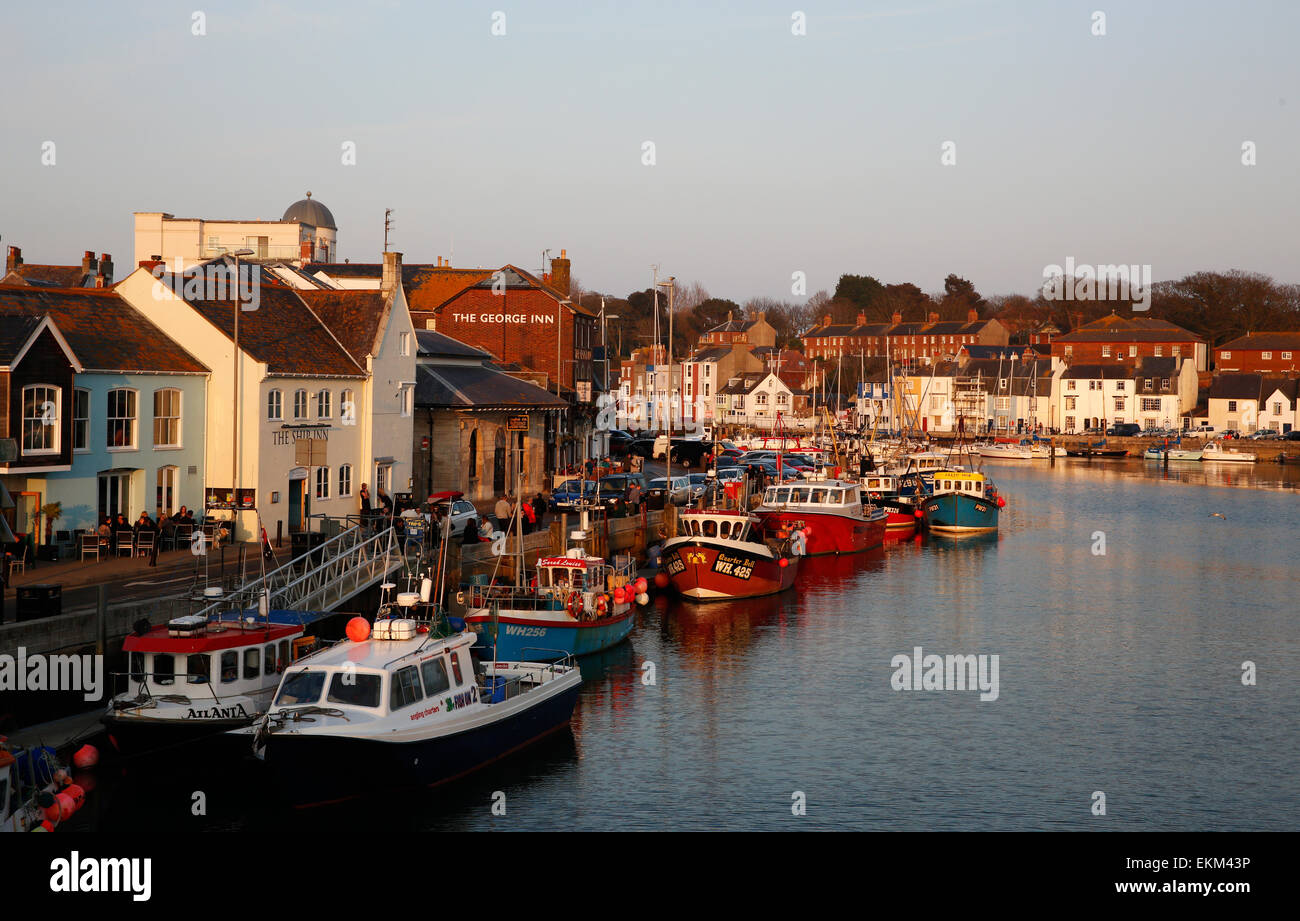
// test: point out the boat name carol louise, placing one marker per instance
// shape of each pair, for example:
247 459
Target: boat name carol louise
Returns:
220 713
103 874
945 673
52 673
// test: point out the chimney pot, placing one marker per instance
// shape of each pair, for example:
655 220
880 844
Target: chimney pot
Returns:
106 268
898 317
13 259
392 275
862 319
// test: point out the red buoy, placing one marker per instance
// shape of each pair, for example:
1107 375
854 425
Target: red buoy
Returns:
783 562
1002 503
661 580
46 825
918 513
78 795
641 585
358 629
86 757
65 805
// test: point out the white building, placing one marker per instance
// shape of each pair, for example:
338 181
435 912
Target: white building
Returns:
306 233
1279 409
335 369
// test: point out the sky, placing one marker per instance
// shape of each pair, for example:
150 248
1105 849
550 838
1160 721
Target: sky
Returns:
775 153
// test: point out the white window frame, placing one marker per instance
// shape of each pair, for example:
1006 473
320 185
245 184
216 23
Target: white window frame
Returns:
167 472
324 404
133 419
322 486
345 481
275 405
82 445
38 419
180 436
300 399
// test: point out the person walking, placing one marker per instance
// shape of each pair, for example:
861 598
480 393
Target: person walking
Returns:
539 510
502 512
530 517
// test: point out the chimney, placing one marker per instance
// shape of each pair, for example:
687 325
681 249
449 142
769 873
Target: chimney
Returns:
307 251
862 319
934 317
762 315
439 262
106 268
88 262
560 273
972 315
392 272
826 320
14 259
898 317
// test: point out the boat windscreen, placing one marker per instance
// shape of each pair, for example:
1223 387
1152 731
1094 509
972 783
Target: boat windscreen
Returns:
300 688
354 690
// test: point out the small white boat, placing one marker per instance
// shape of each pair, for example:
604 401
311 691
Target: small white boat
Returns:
1213 451
1175 454
1006 451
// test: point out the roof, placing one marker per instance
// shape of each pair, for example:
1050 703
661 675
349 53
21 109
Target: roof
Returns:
356 318
1278 340
48 276
514 277
1116 371
15 332
1114 328
283 332
1236 386
432 343
1151 366
744 382
310 211
478 387
1289 386
426 286
733 326
713 353
103 330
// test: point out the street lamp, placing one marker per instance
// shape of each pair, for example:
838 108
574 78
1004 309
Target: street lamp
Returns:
234 443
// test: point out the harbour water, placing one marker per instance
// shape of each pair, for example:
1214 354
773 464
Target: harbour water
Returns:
1119 672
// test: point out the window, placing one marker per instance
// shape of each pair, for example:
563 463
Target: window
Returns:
1286 356
1004 402
1267 356
1069 350
300 688
1151 404
383 477
345 480
1092 385
121 418
739 402
324 409
1176 351
404 341
268 660
1132 351
405 688
252 663
164 669
1105 351
1069 385
1119 404
197 668
41 419
1119 385
167 418
434 673
472 456
707 369
274 405
1232 406
1225 356
355 690
300 404
165 494
455 668
1069 402
1164 383
81 420
1277 409
1069 423
322 482
761 399
408 400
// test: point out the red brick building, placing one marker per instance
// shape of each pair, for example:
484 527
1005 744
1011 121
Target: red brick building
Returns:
1268 353
1114 337
933 339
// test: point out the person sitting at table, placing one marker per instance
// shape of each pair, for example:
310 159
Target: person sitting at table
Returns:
105 533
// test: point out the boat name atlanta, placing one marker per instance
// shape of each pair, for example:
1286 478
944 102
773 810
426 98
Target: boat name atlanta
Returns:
945 673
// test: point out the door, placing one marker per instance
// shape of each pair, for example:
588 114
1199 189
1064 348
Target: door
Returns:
114 495
297 490
28 515
499 464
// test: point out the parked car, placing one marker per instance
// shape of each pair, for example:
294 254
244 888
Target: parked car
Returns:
1293 435
657 495
691 453
1202 431
565 496
733 473
613 499
1124 430
642 447
462 512
619 442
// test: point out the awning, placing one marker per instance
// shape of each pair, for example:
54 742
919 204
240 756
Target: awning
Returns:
113 471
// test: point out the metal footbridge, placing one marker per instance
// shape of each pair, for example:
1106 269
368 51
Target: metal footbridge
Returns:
323 578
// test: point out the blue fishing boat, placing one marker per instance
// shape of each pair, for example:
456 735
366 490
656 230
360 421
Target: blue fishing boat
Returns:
576 605
961 502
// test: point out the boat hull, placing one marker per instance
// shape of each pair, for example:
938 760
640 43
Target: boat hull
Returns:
134 735
314 770
829 533
955 513
704 571
537 640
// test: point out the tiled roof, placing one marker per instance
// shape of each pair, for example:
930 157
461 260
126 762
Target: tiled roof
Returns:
743 383
1117 371
517 278
356 318
282 333
1151 366
51 276
15 330
431 343
1289 386
103 331
1113 328
713 353
1251 341
1236 386
427 286
478 387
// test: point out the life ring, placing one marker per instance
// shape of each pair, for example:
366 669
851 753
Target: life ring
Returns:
575 604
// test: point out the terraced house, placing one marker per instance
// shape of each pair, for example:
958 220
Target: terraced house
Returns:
912 342
107 411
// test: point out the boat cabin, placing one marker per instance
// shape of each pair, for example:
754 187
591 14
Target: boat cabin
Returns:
721 525
833 495
229 658
960 481
880 484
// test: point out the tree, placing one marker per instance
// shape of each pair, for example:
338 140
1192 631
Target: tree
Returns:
860 290
959 296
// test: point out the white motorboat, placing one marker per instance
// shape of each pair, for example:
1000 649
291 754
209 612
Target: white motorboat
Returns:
1214 451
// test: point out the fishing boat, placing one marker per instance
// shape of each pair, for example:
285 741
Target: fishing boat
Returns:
1097 449
722 554
196 678
408 704
1213 451
902 516
577 604
831 514
961 502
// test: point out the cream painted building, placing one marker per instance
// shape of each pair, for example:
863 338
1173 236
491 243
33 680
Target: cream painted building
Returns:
336 368
305 232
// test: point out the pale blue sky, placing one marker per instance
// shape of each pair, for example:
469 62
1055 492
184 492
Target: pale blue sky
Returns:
775 153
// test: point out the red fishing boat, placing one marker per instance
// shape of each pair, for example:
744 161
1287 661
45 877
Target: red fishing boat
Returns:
723 554
830 514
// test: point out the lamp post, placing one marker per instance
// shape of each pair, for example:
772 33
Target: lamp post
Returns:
234 442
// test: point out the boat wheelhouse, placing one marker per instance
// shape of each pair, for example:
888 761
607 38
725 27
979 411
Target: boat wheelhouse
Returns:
903 517
577 604
196 677
961 502
831 514
721 554
410 705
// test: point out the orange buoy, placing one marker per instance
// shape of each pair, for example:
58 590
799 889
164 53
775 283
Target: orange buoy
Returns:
918 513
661 580
641 585
358 629
619 596
52 812
78 795
86 757
65 805
46 825
1002 503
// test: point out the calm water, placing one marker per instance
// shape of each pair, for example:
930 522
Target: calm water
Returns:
1119 673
